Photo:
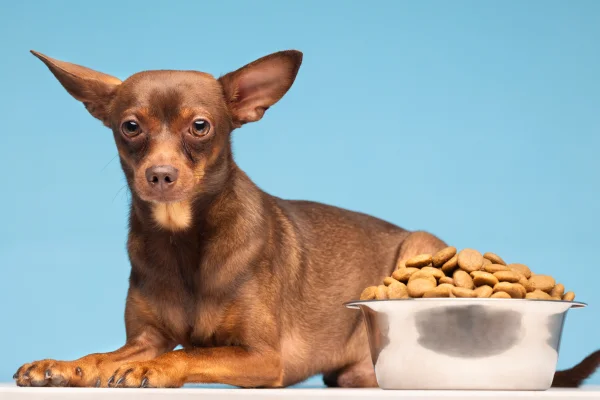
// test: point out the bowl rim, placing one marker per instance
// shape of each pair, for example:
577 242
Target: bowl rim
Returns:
354 304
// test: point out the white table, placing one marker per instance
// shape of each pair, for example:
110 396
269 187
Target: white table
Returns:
8 391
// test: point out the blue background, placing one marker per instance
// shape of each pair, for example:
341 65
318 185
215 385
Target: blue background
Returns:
475 120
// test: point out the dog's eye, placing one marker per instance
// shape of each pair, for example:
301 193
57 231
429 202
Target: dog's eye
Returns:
131 128
200 127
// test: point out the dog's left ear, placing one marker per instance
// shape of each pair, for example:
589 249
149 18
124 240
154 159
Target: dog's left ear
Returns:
252 89
94 89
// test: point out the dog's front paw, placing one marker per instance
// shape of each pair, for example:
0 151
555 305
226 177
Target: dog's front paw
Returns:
153 374
58 373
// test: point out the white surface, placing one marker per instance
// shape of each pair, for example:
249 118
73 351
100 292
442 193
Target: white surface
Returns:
8 391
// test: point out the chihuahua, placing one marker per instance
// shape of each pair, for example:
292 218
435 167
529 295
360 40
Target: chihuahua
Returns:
250 285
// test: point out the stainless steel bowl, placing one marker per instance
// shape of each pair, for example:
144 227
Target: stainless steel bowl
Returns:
460 343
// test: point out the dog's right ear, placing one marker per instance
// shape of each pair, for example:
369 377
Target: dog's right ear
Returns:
94 89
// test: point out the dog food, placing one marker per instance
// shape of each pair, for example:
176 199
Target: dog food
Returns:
466 273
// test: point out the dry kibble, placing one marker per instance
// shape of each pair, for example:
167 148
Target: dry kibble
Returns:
515 290
463 292
462 279
470 260
436 273
381 293
569 296
423 275
558 290
446 279
388 281
539 295
545 283
368 293
491 268
442 256
403 274
422 260
507 276
418 287
466 273
481 278
440 291
522 268
450 265
484 291
494 258
397 290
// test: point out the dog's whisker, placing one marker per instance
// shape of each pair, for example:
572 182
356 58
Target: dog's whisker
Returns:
119 191
108 163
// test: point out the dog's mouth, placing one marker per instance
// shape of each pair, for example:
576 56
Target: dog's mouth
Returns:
163 198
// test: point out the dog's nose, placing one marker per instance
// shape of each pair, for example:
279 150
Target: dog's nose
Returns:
162 176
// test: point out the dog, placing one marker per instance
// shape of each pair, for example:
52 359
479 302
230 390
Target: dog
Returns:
250 285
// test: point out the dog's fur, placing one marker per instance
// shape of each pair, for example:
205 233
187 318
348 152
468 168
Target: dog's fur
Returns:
249 284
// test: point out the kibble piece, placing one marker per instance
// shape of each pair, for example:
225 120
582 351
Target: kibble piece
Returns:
400 265
515 290
558 290
525 283
470 260
418 287
446 285
402 275
381 293
388 281
422 260
397 290
423 275
521 289
569 296
462 279
545 283
522 268
442 256
463 292
483 278
440 291
500 295
486 262
538 295
446 279
484 291
491 268
494 258
368 293
450 265
436 273
507 276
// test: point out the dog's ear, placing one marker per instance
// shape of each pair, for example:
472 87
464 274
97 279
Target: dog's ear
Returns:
94 89
252 89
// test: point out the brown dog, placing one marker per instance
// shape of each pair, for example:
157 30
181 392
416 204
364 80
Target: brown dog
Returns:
250 285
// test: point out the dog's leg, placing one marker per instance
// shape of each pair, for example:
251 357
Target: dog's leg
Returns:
232 365
419 242
91 370
359 375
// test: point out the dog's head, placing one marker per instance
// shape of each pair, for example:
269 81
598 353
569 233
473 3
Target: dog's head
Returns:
172 128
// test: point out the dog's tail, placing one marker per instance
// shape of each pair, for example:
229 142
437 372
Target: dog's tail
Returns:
575 376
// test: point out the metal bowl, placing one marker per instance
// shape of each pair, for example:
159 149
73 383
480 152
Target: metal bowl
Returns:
463 343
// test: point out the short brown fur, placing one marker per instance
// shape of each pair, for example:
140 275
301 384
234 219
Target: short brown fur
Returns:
249 284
